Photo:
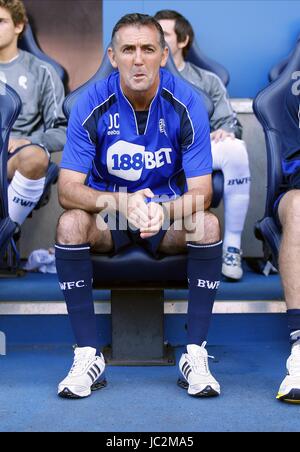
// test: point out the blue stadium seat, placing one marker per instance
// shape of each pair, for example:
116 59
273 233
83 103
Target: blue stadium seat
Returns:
137 280
278 68
10 107
197 57
28 43
268 107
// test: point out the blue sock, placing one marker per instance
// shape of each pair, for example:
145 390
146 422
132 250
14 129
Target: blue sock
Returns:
75 273
204 274
294 324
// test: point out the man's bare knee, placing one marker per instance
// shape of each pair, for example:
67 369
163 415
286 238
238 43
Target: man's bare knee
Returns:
33 162
202 228
102 241
289 210
73 227
207 228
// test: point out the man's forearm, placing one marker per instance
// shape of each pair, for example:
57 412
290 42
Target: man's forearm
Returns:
78 196
191 202
53 139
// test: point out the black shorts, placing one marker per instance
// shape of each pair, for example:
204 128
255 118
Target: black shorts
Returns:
124 237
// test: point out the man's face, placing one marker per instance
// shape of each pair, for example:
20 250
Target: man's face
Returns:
138 55
168 26
8 30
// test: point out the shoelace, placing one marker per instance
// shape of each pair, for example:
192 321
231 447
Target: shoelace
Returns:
200 362
294 364
80 364
232 259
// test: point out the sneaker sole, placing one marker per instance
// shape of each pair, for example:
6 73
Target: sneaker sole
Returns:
67 394
205 393
230 279
292 397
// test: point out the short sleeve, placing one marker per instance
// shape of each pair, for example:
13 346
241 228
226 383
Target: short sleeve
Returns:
196 144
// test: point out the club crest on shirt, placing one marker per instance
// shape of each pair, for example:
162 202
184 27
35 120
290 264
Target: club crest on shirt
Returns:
23 80
162 126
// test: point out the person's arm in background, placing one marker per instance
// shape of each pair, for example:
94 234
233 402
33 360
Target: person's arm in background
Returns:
224 119
52 97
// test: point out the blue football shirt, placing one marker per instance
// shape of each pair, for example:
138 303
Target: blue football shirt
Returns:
103 138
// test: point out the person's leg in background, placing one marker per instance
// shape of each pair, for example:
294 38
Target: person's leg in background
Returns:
27 169
231 157
289 267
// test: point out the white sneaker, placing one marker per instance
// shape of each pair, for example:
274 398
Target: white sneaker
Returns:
85 376
197 378
232 264
289 390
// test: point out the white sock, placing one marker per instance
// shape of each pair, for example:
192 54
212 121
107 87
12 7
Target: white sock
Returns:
231 157
23 196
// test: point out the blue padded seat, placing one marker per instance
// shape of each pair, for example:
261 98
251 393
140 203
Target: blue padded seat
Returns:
268 108
28 43
136 266
197 57
10 107
276 71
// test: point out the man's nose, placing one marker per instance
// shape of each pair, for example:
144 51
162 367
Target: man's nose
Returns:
138 58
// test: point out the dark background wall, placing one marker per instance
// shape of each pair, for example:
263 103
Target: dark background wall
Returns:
70 31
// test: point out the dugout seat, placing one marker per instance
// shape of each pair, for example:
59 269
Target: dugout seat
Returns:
268 108
197 57
28 43
277 70
10 107
137 280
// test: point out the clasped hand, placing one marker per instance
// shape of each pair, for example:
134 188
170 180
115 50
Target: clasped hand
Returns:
147 217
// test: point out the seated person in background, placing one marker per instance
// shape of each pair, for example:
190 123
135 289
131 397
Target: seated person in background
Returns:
41 126
228 151
135 133
287 214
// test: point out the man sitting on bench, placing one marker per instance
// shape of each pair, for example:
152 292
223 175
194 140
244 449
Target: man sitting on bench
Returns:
41 125
142 136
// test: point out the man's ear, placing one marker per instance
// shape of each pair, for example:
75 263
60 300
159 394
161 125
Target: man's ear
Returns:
19 28
165 57
111 56
183 44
